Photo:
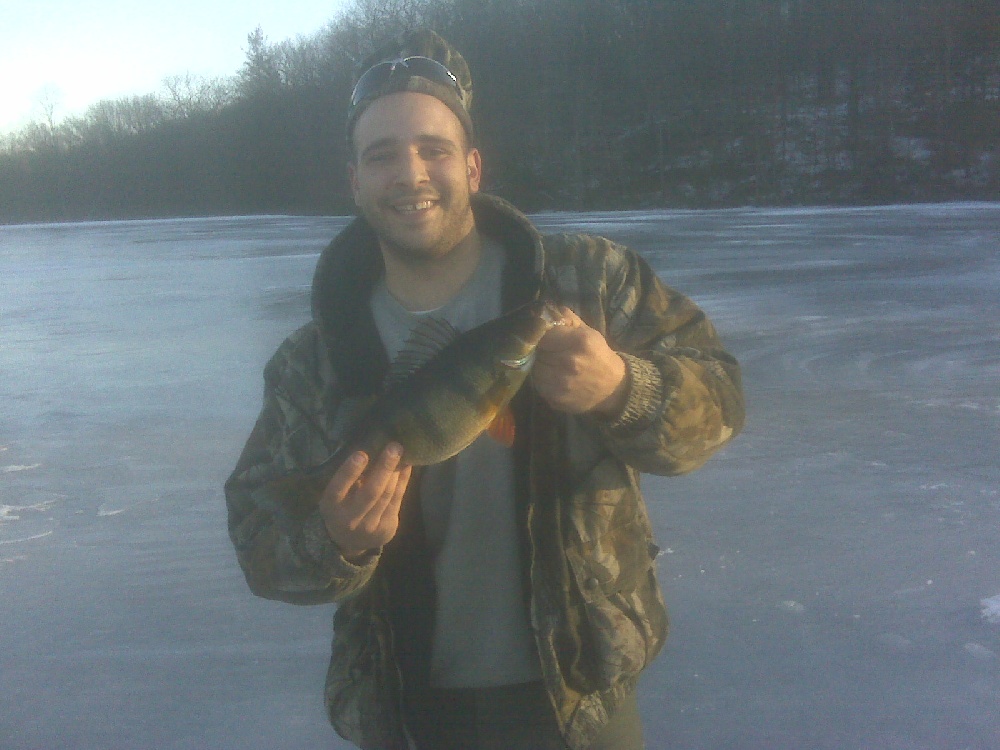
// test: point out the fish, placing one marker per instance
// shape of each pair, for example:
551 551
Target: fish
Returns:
436 406
444 390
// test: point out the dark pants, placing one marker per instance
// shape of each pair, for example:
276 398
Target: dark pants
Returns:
512 717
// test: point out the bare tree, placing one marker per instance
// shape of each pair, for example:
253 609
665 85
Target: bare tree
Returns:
125 116
49 101
379 20
188 94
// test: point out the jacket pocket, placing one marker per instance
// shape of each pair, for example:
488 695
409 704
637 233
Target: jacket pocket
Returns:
621 599
362 683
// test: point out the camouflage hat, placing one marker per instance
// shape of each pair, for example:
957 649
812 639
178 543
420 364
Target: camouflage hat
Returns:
455 90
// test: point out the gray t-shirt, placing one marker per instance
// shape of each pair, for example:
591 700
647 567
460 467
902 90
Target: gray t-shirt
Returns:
483 635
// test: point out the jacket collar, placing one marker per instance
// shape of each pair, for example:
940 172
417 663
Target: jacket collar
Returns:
351 265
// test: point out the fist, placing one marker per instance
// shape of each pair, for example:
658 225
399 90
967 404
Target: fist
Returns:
575 370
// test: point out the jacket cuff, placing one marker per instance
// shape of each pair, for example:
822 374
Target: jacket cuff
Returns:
645 395
314 545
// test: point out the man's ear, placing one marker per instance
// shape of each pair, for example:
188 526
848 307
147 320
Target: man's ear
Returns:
474 169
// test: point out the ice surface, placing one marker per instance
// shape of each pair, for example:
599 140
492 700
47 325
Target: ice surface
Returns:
825 573
991 609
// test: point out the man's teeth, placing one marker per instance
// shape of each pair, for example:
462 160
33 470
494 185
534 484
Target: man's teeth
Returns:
410 207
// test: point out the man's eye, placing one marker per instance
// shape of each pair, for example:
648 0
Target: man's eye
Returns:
379 158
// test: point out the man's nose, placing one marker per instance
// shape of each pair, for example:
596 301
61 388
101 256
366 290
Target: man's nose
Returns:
412 169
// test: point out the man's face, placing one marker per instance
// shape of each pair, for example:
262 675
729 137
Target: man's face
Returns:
413 175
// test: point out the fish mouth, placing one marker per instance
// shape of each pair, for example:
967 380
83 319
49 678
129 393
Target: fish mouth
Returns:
550 315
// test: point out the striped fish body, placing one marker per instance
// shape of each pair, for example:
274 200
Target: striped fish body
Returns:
436 410
446 403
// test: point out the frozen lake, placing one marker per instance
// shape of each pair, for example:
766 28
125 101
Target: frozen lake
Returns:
831 576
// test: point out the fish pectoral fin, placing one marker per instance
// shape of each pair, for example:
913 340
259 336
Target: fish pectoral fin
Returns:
502 429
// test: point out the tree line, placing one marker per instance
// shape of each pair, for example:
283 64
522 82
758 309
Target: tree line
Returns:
579 104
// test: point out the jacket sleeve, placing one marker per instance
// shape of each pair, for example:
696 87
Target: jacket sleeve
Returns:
685 397
274 522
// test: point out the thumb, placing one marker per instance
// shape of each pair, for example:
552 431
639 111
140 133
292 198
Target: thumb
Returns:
569 319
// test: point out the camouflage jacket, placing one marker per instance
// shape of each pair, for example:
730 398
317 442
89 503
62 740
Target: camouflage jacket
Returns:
596 608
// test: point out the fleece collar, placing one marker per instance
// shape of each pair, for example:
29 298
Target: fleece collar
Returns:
352 264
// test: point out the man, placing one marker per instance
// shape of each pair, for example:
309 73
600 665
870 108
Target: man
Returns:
507 597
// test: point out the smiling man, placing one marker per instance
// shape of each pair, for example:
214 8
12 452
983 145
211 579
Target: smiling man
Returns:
412 177
506 598
413 174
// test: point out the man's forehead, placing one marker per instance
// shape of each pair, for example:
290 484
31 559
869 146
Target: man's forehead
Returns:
407 116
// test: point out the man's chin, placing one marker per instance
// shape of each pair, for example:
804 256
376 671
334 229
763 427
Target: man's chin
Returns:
413 249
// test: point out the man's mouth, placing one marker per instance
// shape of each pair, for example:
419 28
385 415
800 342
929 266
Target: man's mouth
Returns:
415 207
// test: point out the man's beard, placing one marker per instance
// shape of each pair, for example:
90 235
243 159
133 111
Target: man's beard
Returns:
414 251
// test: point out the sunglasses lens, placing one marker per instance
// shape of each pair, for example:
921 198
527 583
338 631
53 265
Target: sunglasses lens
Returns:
423 67
432 70
371 81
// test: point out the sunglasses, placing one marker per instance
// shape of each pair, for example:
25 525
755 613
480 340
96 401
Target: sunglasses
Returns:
422 67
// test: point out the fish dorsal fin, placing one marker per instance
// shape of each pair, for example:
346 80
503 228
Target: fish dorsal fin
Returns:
425 341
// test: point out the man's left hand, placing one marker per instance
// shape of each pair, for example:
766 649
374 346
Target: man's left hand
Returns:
576 371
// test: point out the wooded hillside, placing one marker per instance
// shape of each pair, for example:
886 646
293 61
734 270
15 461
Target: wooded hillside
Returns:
579 104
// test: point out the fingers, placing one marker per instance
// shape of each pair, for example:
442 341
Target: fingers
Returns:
385 512
361 503
358 472
346 476
385 467
381 487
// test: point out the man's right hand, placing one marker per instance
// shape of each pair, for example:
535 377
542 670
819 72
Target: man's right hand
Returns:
361 508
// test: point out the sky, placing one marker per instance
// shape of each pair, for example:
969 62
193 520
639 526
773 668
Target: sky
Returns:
75 53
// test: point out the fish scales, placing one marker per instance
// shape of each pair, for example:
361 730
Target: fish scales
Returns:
446 408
